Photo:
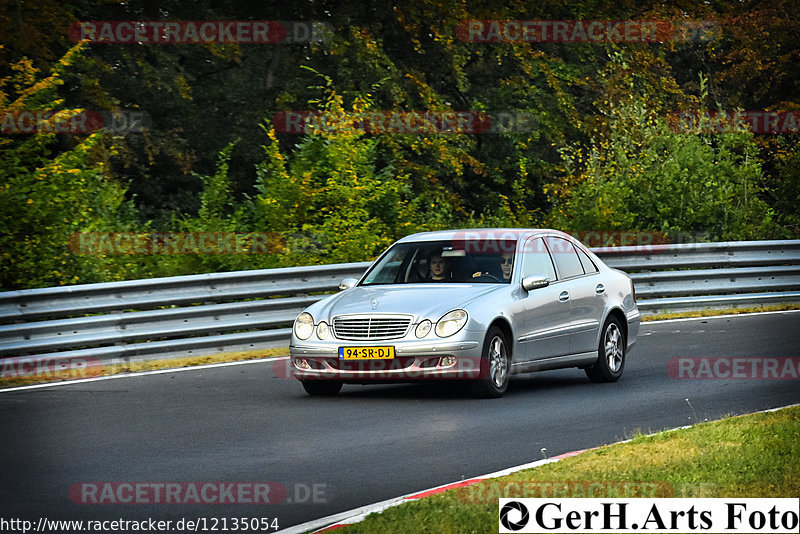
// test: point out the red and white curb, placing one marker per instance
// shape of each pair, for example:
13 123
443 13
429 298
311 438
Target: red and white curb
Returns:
349 517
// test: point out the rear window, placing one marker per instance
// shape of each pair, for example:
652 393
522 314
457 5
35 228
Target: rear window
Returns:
586 261
566 257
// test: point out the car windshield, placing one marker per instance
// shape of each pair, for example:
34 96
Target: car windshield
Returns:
488 261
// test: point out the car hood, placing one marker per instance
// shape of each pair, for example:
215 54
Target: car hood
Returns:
426 301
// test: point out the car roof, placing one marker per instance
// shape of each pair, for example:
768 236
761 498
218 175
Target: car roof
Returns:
479 233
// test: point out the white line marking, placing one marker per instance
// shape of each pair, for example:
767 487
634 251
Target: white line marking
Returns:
143 373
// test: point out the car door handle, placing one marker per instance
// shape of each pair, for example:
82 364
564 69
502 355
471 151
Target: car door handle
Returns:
564 296
600 289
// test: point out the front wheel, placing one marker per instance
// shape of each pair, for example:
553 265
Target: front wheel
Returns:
322 388
495 365
610 354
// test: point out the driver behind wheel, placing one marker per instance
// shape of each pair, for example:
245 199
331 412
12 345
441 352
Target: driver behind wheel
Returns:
506 261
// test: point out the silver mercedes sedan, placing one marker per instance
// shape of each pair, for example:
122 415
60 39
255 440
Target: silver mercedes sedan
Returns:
474 305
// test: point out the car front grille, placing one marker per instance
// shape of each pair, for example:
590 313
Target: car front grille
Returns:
370 327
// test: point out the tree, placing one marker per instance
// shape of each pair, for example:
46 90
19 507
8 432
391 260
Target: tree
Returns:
52 186
644 174
331 199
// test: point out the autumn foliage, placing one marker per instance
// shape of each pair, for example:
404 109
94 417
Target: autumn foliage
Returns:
583 140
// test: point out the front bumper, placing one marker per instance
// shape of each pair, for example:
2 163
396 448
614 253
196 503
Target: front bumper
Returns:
433 359
634 318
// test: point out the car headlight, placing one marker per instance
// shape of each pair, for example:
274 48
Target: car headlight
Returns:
323 330
304 326
451 322
423 328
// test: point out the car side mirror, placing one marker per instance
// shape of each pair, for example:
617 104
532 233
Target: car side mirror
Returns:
535 281
347 283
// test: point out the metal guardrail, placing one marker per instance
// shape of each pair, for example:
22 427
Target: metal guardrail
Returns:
205 314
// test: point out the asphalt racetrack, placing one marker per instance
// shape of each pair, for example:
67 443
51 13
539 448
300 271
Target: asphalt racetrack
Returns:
242 424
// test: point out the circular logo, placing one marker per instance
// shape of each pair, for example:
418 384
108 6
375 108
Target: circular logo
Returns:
373 303
523 513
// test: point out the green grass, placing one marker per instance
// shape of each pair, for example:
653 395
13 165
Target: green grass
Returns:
747 456
729 311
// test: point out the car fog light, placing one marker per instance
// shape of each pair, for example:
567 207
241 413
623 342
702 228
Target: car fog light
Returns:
423 328
302 363
448 361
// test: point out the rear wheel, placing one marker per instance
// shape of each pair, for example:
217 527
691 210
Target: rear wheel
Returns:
495 365
610 354
322 388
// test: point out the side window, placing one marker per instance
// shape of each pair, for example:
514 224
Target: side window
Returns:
588 265
565 256
536 259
